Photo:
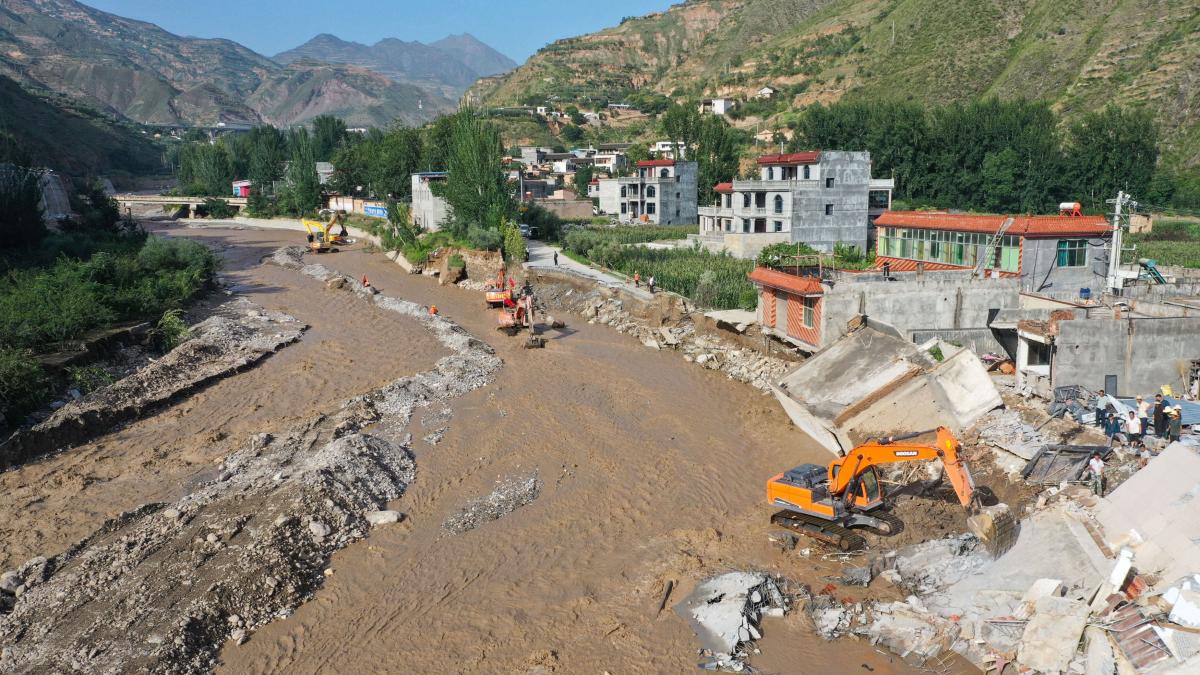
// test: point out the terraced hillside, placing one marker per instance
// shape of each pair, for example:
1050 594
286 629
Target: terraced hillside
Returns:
1080 54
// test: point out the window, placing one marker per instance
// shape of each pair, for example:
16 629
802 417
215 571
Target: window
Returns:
809 312
778 203
1072 252
676 195
745 224
649 208
770 173
664 173
623 207
829 209
805 172
676 212
622 190
650 191
828 182
728 201
745 200
779 226
760 200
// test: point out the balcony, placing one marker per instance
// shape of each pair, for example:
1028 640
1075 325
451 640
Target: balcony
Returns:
774 185
882 184
715 212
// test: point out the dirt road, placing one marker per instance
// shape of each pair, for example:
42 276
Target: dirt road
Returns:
653 468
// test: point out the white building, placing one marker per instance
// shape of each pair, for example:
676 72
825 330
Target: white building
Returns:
717 106
661 191
666 150
429 211
819 198
766 92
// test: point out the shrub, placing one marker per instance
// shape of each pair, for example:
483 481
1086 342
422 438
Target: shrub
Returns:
456 262
218 208
24 386
514 245
485 239
89 378
171 330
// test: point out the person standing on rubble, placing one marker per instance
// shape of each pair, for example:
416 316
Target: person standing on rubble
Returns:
1160 416
1175 423
1096 471
1101 411
1143 411
1133 429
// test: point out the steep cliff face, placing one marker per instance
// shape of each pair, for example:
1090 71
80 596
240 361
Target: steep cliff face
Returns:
149 75
1079 54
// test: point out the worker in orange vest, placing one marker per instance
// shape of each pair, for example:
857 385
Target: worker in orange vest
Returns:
637 279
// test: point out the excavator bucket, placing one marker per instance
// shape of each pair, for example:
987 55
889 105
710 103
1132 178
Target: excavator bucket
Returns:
996 527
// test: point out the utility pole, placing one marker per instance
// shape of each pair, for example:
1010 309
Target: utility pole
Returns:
1115 280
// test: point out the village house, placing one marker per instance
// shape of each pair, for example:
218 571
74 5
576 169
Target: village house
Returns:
532 156
820 198
429 211
1066 252
766 92
665 150
561 162
717 106
661 191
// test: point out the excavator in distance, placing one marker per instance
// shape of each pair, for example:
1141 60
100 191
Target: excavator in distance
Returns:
321 238
829 502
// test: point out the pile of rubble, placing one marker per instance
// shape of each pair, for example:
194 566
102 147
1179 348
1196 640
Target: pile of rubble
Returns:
163 586
510 494
678 331
726 612
239 334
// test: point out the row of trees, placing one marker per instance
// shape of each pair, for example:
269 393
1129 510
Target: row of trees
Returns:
706 139
993 155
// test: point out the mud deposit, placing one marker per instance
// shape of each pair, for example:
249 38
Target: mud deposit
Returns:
652 471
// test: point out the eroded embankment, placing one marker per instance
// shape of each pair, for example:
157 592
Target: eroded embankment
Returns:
240 335
161 587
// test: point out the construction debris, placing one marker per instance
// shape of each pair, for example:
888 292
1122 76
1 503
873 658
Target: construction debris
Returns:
726 612
1052 635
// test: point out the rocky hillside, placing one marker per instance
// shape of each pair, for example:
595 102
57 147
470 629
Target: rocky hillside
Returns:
71 138
149 75
449 65
1080 54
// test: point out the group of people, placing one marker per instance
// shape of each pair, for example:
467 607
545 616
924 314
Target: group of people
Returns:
1164 418
637 281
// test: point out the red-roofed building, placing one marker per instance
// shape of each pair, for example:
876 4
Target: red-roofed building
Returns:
1041 250
817 197
789 306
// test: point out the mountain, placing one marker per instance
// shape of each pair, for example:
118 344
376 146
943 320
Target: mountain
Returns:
449 65
149 75
74 139
1079 54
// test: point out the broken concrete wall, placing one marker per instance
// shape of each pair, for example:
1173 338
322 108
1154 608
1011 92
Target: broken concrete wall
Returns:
1144 354
1156 512
870 384
949 301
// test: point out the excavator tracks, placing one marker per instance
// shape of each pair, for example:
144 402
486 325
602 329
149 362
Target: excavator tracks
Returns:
820 529
894 524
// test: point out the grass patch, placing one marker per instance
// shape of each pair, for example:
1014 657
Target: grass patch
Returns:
1174 243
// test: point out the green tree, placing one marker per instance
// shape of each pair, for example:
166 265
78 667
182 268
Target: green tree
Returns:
1109 150
571 133
583 177
437 140
681 124
303 185
475 189
329 133
716 155
20 206
205 169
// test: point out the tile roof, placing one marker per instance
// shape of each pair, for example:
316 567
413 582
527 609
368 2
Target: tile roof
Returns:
807 157
656 162
786 282
1025 226
723 187
907 265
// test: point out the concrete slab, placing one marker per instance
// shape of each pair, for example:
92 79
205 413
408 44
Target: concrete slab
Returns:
1051 637
1161 504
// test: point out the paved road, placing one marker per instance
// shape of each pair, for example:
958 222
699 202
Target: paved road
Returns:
541 255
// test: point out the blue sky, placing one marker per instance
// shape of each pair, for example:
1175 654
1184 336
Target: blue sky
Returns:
516 28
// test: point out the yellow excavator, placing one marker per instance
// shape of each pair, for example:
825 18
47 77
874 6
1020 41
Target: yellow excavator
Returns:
829 502
321 237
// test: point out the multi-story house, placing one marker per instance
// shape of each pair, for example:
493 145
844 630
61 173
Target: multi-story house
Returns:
429 211
661 191
820 198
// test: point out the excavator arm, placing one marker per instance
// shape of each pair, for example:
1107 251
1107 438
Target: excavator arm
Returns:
845 473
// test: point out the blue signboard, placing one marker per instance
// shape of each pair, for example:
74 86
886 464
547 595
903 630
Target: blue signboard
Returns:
376 211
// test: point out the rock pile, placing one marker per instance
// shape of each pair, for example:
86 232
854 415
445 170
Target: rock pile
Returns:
161 587
709 350
510 494
726 612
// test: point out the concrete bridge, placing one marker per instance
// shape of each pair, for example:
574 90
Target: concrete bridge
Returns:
126 200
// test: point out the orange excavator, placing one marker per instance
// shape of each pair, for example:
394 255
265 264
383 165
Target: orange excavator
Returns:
828 502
